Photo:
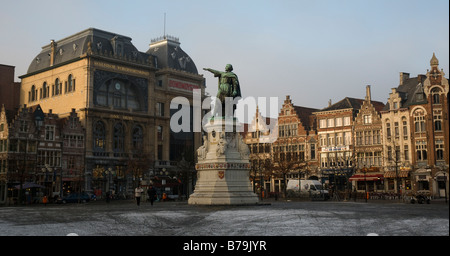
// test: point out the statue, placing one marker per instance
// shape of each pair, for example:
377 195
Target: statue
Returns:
228 86
203 150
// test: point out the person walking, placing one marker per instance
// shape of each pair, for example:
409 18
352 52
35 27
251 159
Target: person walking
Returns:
138 193
151 194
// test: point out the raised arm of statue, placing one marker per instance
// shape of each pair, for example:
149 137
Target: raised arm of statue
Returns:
215 72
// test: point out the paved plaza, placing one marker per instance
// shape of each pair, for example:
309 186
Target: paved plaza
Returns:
274 218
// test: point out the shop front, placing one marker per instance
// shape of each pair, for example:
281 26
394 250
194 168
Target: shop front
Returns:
367 182
433 181
441 180
398 181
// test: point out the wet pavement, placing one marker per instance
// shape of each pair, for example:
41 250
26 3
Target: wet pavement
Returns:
273 218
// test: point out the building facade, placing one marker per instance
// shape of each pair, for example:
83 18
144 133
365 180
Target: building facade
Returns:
43 150
368 139
122 97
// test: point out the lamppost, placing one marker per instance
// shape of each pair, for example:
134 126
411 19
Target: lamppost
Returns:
109 174
365 183
45 170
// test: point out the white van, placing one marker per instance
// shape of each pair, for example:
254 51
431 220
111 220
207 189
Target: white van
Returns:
311 188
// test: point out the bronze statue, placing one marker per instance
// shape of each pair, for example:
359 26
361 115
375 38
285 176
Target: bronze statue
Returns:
228 86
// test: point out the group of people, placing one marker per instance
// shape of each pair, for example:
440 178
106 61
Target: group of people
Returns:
151 192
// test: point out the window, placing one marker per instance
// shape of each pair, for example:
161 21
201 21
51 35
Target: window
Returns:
367 119
388 129
421 150
358 138
406 152
437 118
439 149
376 137
99 136
70 85
160 152
338 121
313 151
435 95
346 120
49 157
49 132
419 121
405 128
45 90
395 105
33 93
323 140
160 132
396 130
339 138
323 123
117 99
137 137
160 109
23 126
57 88
330 122
348 138
331 138
118 138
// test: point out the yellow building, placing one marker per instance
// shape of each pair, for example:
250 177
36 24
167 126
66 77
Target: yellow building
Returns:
122 97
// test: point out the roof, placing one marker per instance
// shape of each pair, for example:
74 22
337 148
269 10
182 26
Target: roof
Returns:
353 103
411 92
170 55
305 115
74 46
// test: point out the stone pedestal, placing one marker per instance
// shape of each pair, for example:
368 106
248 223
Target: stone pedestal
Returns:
223 167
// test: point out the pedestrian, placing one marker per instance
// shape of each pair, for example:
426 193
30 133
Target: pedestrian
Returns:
151 194
138 193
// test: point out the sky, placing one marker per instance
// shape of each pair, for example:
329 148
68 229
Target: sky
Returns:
313 51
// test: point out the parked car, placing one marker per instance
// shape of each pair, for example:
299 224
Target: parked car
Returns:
74 198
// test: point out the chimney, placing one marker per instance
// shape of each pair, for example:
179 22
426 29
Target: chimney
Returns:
52 52
403 77
368 97
329 103
421 78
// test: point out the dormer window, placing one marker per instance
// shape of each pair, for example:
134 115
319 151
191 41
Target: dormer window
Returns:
395 105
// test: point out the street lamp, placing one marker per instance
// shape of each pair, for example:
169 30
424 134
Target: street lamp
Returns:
365 183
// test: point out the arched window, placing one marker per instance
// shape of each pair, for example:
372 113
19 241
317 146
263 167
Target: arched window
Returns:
137 137
388 128
435 95
33 93
57 88
70 84
44 90
118 137
419 121
99 136
119 94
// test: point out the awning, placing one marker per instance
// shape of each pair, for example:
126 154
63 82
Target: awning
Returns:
29 185
393 174
367 177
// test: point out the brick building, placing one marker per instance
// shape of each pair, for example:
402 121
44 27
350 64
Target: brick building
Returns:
335 130
9 90
368 146
417 133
